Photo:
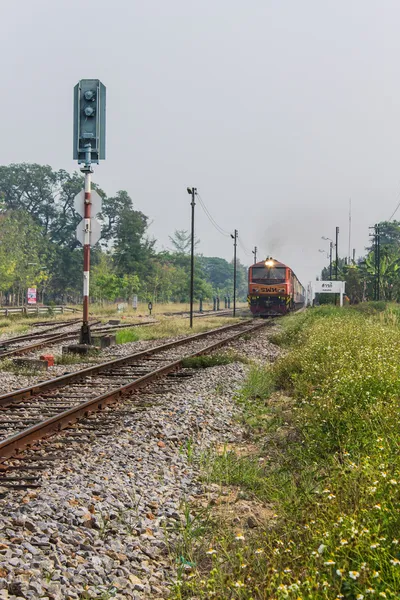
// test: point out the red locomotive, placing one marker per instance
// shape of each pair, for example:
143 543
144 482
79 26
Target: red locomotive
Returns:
273 289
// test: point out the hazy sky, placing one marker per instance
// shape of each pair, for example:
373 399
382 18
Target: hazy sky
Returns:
277 111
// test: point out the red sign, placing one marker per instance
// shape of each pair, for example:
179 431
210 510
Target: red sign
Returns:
31 295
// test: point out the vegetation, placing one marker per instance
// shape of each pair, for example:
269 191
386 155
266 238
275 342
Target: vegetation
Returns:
361 274
325 420
38 246
171 327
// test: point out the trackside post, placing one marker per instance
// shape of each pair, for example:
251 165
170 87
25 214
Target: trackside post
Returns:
89 147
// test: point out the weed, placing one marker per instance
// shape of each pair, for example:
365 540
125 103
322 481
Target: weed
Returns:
330 465
171 327
69 358
9 366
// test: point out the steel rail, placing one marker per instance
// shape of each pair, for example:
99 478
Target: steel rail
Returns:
21 440
58 337
62 380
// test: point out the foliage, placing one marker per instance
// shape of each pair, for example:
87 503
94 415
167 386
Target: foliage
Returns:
38 246
329 470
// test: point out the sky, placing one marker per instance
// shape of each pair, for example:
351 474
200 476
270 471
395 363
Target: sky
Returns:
278 111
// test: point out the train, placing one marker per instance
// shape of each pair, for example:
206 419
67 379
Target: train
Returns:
274 289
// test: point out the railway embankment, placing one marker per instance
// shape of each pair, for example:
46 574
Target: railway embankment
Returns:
317 464
112 515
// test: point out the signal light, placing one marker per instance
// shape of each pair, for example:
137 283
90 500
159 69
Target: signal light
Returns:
89 120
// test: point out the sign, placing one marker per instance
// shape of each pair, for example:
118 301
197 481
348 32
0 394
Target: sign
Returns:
134 303
95 200
95 231
32 295
329 287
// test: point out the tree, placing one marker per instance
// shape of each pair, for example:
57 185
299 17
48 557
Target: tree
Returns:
181 241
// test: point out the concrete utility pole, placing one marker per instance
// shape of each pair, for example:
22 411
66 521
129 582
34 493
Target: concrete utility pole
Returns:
337 259
255 254
192 192
234 237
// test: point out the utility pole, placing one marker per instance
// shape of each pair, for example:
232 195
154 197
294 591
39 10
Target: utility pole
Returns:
330 260
234 237
255 254
378 262
337 259
192 192
349 257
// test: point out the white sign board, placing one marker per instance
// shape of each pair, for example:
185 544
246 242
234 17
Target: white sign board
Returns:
329 287
95 231
95 200
134 303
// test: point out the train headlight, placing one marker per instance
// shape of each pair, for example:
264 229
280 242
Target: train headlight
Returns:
269 262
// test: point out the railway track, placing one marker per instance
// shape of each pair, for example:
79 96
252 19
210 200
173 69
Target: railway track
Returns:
44 409
47 339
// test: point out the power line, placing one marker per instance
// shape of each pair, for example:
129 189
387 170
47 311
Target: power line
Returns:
243 247
395 211
211 219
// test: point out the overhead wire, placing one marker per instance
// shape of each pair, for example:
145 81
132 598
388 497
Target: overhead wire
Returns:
211 219
395 211
219 228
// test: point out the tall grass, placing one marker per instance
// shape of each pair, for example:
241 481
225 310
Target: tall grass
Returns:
329 441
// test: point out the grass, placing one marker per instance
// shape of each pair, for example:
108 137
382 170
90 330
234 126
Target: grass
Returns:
74 359
158 308
325 420
171 327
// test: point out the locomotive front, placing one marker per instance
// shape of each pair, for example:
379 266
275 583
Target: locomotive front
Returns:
270 288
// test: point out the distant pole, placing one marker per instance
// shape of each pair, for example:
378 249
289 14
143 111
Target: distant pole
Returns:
192 192
234 237
349 256
255 254
337 259
378 260
330 260
354 256
375 249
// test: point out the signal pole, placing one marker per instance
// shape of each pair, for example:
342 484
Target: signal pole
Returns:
192 192
88 147
255 254
234 237
85 336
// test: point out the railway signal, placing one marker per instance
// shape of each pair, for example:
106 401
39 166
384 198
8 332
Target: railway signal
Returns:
255 254
89 147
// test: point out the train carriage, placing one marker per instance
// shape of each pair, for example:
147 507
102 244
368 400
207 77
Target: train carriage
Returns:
273 289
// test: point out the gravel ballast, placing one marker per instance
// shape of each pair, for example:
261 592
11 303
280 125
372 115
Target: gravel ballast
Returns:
106 518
